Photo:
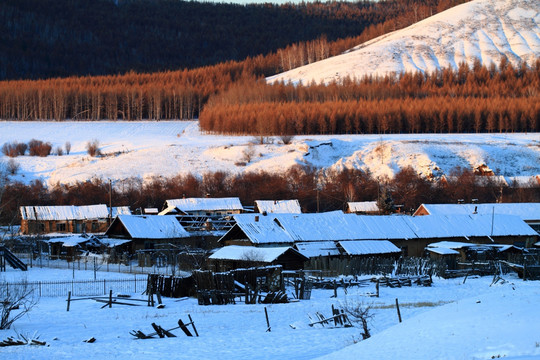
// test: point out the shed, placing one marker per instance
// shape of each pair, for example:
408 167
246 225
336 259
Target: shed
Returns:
234 257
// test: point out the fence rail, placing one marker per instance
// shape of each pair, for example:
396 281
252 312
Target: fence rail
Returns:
98 264
79 287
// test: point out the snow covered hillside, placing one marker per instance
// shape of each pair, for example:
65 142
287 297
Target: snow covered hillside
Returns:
167 148
482 29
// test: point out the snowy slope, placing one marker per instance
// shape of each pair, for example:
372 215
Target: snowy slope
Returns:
148 149
482 29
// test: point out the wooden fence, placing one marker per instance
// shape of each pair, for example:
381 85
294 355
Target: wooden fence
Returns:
378 266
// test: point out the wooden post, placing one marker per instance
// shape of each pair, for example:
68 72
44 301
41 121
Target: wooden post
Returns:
335 289
110 298
193 324
398 312
267 321
68 300
377 287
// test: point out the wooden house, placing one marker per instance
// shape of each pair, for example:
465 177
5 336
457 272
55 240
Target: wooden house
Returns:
64 219
235 257
278 207
148 231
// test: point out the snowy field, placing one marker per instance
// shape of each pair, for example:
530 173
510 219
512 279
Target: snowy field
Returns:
450 320
166 148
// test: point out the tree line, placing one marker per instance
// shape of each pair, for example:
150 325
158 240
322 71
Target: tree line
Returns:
117 36
477 99
179 94
314 188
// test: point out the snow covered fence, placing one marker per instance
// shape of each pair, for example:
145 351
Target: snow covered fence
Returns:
82 287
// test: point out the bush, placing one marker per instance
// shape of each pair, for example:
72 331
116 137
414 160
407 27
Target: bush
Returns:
14 149
59 151
286 139
92 148
12 167
68 147
39 148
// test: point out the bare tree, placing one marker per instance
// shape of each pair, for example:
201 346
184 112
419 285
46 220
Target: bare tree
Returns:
15 302
248 153
359 313
68 147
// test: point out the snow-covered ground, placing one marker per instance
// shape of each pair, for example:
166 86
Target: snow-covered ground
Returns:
481 29
167 148
450 320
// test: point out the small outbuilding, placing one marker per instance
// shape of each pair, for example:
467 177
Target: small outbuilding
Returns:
234 257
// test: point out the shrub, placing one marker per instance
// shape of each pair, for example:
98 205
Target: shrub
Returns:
59 151
14 149
286 139
92 148
68 147
12 167
39 148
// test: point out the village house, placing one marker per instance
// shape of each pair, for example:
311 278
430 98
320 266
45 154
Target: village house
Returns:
528 212
278 207
39 220
196 214
148 231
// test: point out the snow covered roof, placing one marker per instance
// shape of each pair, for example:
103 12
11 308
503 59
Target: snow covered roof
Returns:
442 251
261 229
114 242
120 210
278 206
466 226
369 247
151 227
363 207
72 241
526 211
67 212
330 226
200 204
449 245
317 248
250 253
337 226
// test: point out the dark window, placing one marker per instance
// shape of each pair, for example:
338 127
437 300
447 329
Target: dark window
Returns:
61 227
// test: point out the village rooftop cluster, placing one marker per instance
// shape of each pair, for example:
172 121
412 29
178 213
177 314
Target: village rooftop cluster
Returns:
278 233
